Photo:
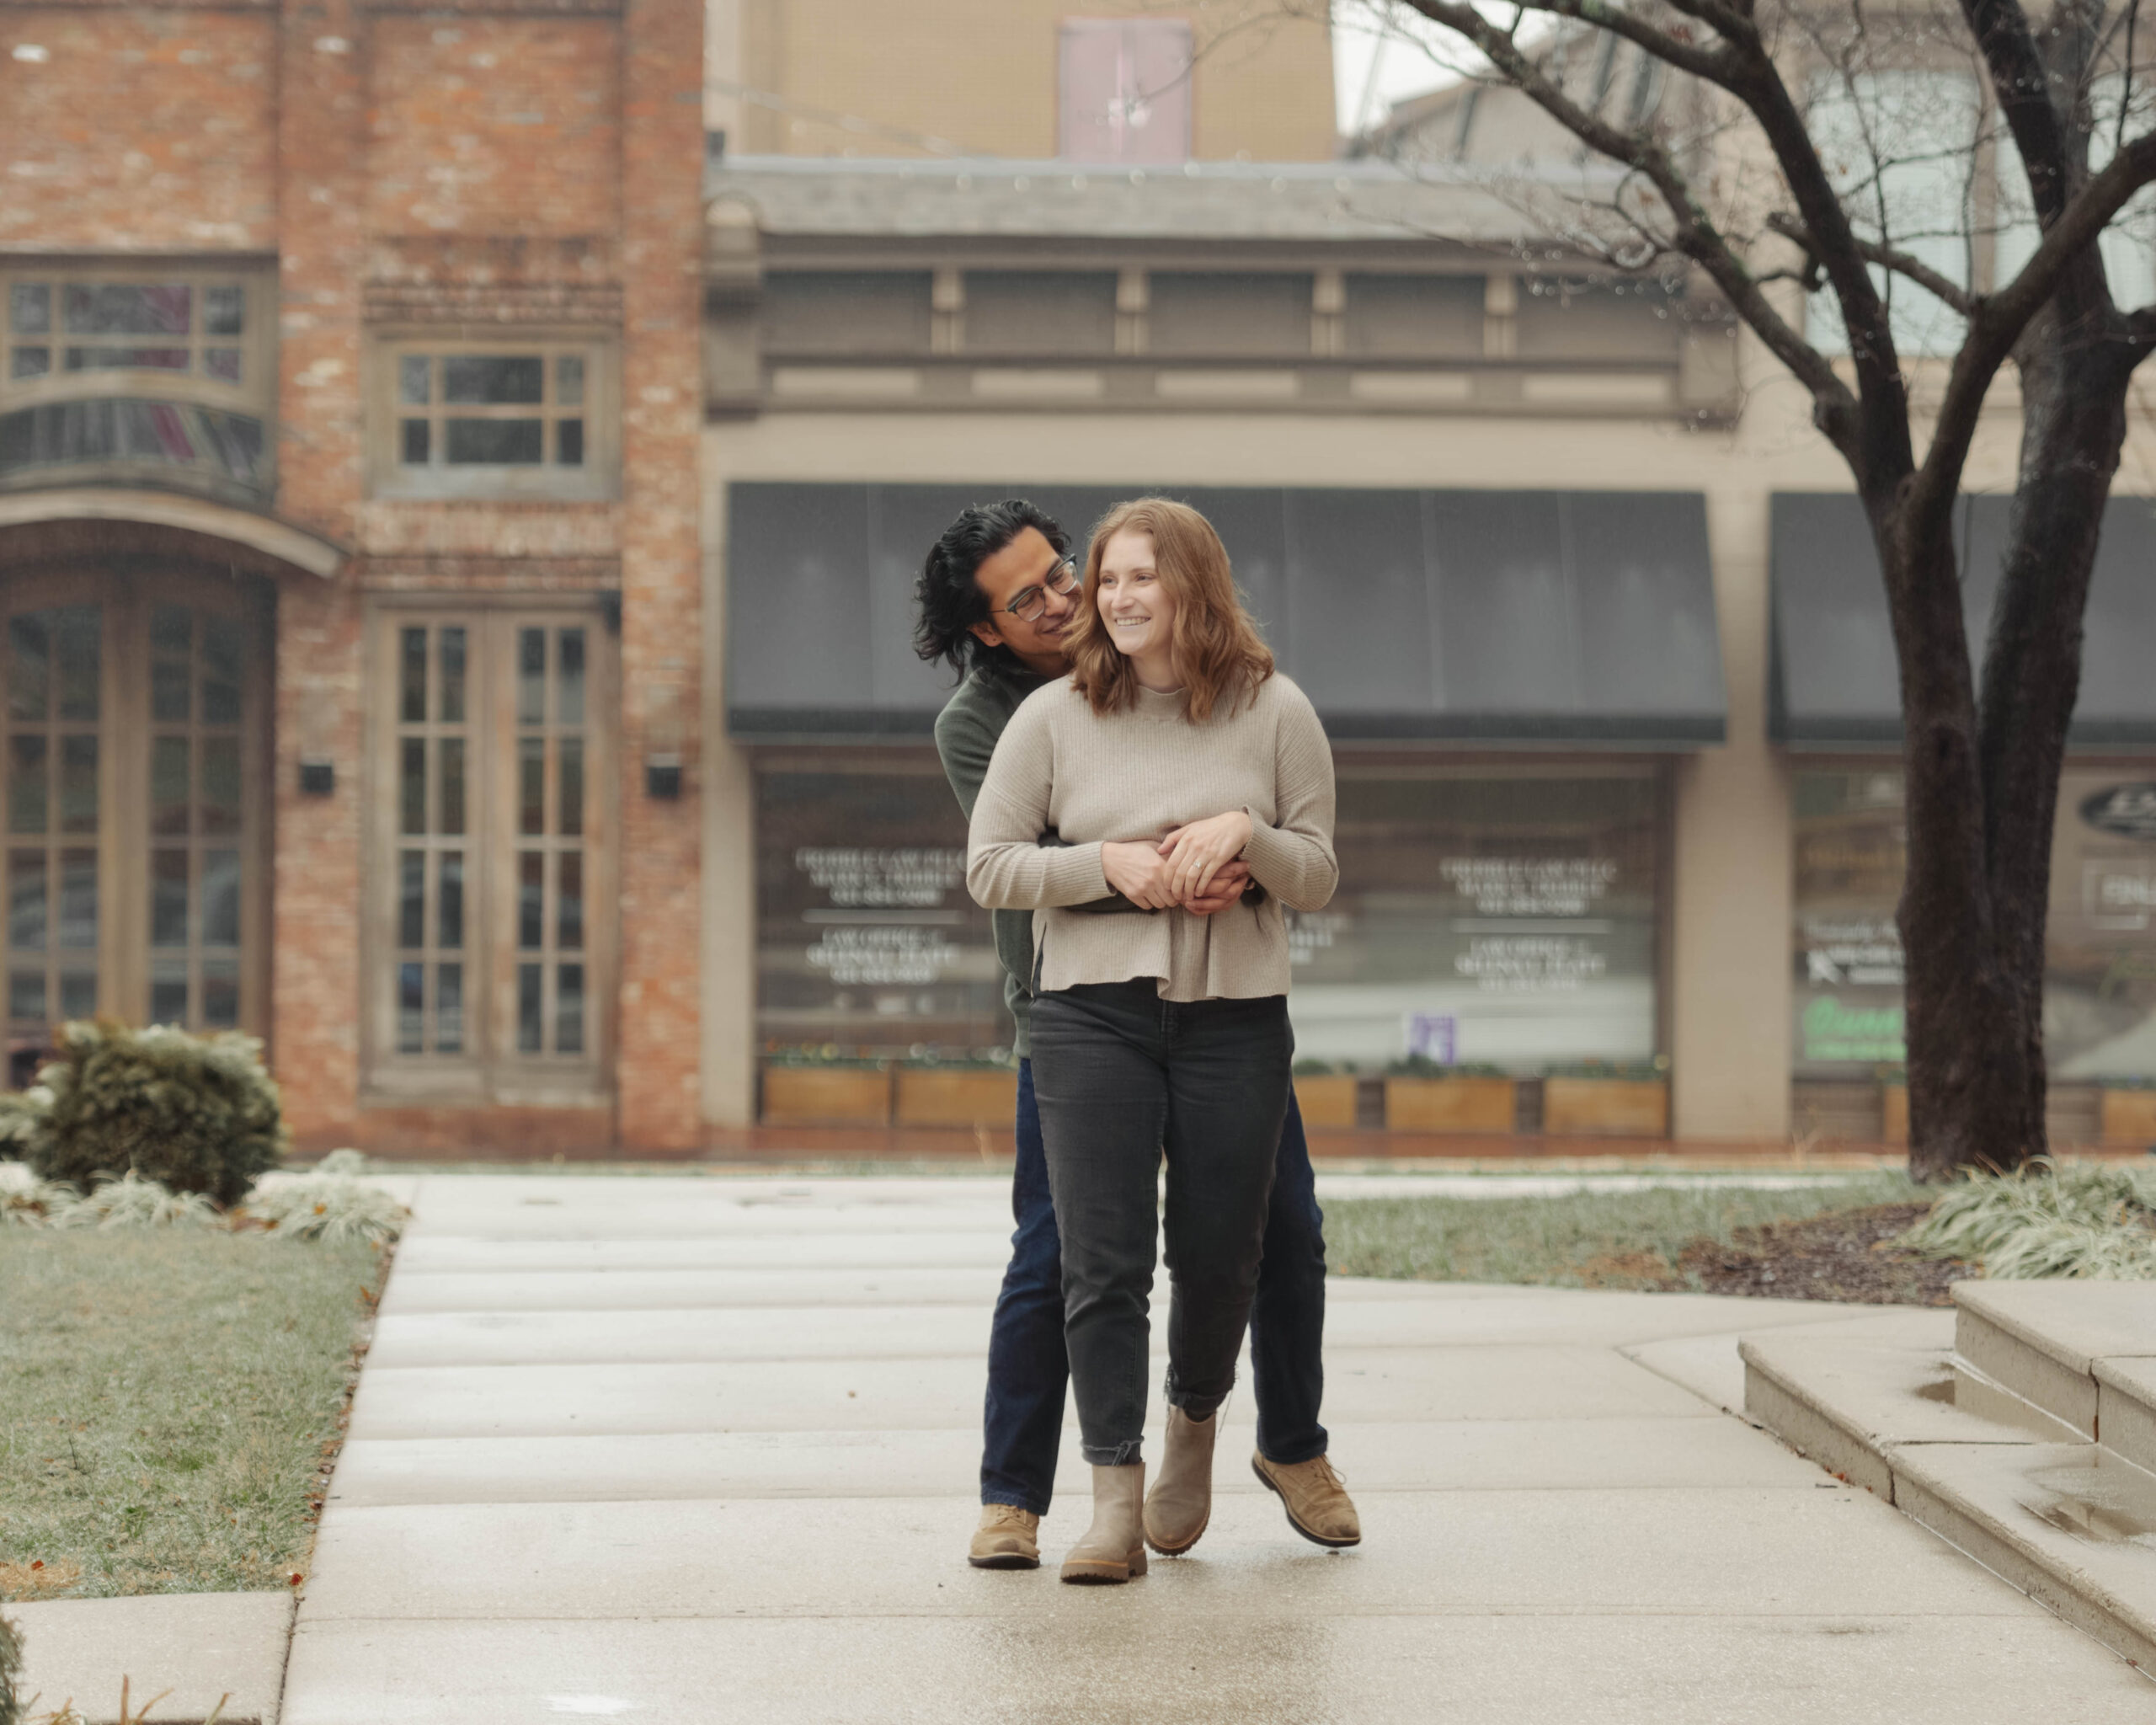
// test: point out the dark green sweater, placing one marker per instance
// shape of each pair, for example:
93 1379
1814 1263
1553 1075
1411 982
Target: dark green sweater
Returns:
967 731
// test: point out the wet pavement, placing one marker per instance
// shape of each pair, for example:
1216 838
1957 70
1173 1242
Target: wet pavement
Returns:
705 1449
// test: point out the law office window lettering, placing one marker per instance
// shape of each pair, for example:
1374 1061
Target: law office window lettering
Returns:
867 942
2100 970
1484 921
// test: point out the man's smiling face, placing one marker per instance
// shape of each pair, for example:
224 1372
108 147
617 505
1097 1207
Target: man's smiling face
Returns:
1023 575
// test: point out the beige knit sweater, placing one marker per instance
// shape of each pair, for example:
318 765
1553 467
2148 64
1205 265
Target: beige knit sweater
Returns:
1137 776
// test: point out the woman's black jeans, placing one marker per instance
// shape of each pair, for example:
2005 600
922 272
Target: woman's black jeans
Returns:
1122 1075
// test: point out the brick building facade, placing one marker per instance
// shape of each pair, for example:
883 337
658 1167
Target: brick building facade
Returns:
462 472
349 551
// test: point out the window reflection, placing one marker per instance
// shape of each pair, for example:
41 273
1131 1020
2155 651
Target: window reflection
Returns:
1503 922
1851 839
867 941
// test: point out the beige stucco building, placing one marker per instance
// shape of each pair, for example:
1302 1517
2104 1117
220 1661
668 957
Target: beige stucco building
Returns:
1215 80
1559 555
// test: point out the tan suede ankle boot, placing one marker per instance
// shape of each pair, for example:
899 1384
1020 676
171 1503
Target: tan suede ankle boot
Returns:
1113 1548
1181 1501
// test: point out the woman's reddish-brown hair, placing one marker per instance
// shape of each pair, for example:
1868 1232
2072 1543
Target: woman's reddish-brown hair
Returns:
1218 651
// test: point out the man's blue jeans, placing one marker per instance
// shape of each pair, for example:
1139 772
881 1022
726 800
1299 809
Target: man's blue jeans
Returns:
1028 1371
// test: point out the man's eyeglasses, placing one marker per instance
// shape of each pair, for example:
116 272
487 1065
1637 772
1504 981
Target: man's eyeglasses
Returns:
1032 601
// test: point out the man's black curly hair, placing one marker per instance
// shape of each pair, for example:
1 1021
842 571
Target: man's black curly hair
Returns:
950 600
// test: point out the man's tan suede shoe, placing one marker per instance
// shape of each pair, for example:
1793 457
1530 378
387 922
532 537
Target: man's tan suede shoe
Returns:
1317 1504
1007 1538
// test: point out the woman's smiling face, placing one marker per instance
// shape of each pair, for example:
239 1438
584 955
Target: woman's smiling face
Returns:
1137 609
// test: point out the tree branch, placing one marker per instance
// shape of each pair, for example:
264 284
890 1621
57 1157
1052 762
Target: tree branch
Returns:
1903 263
1755 80
1836 247
1717 66
2125 81
1997 320
2022 84
1732 21
1695 235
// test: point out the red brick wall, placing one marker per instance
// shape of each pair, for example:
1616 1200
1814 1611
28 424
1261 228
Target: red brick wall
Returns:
139 129
521 165
314 947
662 609
494 126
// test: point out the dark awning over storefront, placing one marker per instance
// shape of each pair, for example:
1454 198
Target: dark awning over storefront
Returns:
1578 618
1835 680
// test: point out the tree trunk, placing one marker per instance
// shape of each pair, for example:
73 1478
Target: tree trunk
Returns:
1970 1085
1983 778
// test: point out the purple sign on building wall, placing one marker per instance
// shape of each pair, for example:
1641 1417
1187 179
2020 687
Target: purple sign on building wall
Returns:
1433 1035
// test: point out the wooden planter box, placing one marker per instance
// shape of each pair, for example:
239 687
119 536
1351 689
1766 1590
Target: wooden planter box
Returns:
2121 1116
826 1095
1894 1112
2129 1117
1327 1099
1629 1108
1451 1105
928 1096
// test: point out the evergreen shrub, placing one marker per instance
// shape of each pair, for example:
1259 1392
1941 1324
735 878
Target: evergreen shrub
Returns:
196 1114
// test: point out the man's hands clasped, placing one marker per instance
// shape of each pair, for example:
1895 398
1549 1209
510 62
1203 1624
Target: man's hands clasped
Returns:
1197 867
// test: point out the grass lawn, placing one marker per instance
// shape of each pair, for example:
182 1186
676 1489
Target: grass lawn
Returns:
1583 1240
168 1401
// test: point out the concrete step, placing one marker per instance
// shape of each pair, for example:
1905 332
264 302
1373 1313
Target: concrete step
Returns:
2071 1524
1848 1401
1961 1446
2084 1351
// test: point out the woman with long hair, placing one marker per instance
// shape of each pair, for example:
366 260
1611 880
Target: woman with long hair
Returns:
1172 747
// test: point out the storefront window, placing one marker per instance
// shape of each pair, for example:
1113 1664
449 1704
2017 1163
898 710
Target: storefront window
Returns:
2099 981
868 941
1850 850
1484 921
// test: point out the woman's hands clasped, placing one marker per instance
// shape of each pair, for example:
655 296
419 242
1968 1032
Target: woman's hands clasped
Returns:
1196 868
1196 853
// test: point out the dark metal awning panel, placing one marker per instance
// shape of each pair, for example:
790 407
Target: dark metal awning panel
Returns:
1835 680
1558 618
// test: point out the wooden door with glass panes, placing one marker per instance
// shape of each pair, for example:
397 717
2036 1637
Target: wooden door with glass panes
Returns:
493 915
135 798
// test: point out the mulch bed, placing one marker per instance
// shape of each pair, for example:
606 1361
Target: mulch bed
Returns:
1846 1255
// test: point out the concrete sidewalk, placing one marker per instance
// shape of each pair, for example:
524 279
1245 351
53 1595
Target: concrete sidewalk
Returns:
705 1449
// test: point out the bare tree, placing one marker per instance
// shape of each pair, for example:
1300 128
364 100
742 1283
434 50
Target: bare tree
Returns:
1772 154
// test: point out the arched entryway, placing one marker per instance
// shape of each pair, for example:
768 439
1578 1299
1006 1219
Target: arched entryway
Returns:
134 791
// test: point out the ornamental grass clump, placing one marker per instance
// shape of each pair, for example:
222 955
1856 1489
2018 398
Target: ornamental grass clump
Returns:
325 1206
194 1114
28 1202
2088 1221
133 1202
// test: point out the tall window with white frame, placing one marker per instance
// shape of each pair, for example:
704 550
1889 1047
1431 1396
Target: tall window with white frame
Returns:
551 700
53 678
433 760
135 783
495 838
196 798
